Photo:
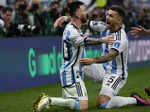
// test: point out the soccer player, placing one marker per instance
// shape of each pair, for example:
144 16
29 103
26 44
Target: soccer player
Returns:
114 61
74 94
141 31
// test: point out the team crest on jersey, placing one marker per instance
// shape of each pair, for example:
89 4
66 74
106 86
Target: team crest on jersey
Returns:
117 45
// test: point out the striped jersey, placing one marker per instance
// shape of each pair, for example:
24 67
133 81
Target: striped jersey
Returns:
73 50
119 64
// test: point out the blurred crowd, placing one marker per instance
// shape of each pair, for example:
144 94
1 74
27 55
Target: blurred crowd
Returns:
26 19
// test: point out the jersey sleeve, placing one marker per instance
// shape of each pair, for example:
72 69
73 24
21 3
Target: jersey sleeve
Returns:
98 26
120 45
76 38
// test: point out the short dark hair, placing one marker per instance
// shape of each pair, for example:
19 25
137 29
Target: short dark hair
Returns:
74 6
5 9
118 9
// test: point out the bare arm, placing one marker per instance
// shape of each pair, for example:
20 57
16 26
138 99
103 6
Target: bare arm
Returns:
61 20
140 31
96 41
102 59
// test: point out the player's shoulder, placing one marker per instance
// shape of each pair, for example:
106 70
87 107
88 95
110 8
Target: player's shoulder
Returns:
70 27
121 35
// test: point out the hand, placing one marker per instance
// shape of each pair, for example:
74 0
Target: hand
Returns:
138 31
86 61
59 21
109 39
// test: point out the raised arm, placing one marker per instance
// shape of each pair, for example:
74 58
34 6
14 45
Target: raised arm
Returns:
61 20
102 59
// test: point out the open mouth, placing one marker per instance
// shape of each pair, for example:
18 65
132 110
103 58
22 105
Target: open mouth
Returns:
108 23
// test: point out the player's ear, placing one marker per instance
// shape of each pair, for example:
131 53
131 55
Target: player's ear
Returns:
119 19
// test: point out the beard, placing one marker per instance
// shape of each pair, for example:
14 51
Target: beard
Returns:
84 19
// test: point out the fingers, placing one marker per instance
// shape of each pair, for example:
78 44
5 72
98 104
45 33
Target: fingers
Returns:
84 62
111 39
111 36
141 28
135 30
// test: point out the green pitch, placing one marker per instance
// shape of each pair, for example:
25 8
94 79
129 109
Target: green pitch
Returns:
21 100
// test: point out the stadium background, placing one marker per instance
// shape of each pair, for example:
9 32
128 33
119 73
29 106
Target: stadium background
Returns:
30 64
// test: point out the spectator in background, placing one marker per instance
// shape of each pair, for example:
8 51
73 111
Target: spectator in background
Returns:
115 2
98 14
1 10
21 14
144 18
1 21
53 12
130 19
38 18
5 21
65 9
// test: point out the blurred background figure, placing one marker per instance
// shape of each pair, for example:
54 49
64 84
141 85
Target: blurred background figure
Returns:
6 21
36 17
53 12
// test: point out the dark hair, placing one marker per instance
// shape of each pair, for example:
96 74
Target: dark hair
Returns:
118 9
74 6
1 7
5 9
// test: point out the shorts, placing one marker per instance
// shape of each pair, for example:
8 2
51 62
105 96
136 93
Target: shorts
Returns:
95 72
76 91
112 83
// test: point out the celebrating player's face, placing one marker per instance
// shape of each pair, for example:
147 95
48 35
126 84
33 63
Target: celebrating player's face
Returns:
112 19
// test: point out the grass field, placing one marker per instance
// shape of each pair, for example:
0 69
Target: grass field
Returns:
21 100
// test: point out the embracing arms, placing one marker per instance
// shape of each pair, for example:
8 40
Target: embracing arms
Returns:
102 59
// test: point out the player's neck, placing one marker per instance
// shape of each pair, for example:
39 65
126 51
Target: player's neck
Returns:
116 28
76 22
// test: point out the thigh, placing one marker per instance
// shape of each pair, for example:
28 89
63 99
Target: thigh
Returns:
76 91
112 84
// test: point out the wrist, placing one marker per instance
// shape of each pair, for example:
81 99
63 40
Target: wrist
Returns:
147 31
94 60
102 40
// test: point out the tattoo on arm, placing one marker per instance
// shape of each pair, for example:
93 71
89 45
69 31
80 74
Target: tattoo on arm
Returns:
93 41
108 57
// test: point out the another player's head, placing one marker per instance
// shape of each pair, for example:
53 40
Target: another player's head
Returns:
77 10
114 18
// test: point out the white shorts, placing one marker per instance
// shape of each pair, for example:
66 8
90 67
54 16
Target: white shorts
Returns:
112 83
95 72
76 91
